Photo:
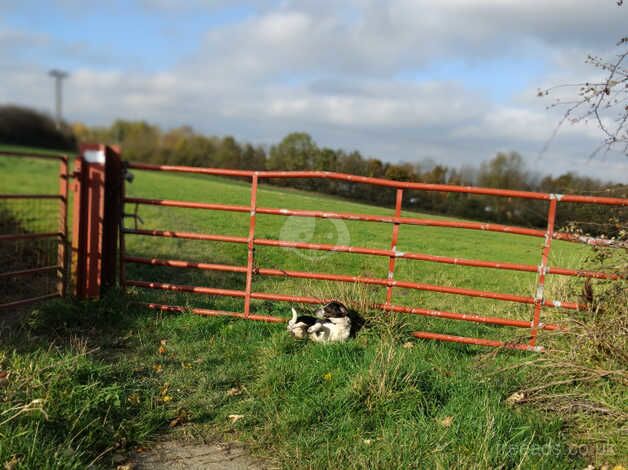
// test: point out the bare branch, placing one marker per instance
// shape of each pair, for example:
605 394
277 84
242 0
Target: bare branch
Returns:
603 102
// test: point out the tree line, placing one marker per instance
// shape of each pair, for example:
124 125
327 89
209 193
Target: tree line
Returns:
144 142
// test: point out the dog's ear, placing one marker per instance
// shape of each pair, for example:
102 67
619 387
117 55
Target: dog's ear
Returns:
343 309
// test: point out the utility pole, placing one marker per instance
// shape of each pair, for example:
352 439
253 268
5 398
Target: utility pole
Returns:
58 75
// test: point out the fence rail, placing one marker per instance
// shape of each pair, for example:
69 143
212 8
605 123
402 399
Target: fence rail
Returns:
538 300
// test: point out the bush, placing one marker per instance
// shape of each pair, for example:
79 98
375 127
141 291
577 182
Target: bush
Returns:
27 127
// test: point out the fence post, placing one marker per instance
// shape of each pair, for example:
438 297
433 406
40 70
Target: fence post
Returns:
111 215
539 296
96 218
62 250
122 246
393 247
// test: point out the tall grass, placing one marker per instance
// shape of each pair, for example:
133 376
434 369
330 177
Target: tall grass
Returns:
582 379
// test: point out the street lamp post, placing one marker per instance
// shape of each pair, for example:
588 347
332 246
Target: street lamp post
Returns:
58 75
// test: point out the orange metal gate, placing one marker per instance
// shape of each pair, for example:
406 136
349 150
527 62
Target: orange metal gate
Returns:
33 237
538 301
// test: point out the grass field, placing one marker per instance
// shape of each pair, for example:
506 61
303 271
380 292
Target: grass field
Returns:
111 376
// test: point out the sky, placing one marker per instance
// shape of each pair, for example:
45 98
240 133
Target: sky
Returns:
454 81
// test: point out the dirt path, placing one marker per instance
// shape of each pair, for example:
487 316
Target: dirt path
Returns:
194 455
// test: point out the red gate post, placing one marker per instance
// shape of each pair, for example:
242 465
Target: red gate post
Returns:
96 218
111 215
121 246
62 250
78 227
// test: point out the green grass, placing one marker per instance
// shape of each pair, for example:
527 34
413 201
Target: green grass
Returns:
369 403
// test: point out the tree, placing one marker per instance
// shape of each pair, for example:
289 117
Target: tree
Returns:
605 102
297 151
506 171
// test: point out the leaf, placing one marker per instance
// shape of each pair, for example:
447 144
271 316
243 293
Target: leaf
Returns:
4 378
235 418
181 418
446 421
12 463
127 466
234 391
515 398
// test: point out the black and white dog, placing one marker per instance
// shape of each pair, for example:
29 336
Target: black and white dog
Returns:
332 322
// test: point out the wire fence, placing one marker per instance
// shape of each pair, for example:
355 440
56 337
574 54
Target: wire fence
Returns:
33 238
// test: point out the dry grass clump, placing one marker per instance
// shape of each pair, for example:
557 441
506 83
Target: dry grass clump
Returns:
582 378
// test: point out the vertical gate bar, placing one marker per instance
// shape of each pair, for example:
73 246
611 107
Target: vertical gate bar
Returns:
62 250
78 253
251 247
122 246
540 285
393 245
111 217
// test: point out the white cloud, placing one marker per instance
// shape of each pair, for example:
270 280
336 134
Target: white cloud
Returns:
334 71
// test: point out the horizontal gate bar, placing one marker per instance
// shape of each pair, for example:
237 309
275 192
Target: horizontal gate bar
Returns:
186 235
183 288
476 341
185 264
31 196
467 317
186 204
190 169
226 292
31 300
405 220
363 280
375 252
208 312
313 300
384 182
5 153
26 272
29 236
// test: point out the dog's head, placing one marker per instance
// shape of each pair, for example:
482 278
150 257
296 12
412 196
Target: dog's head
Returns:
333 309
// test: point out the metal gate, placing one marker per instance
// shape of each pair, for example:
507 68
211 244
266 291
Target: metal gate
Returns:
33 238
538 301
